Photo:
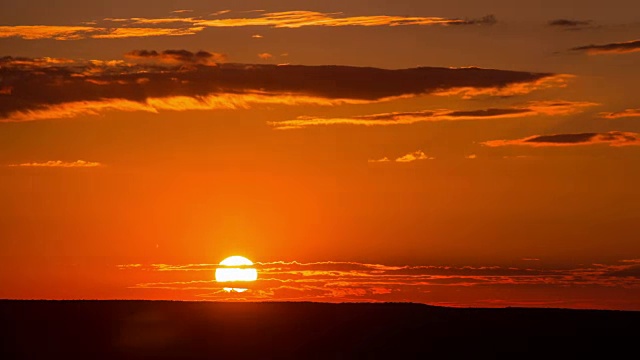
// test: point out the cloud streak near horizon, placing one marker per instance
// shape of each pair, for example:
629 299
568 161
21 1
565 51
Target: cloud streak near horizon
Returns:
146 27
612 48
60 164
406 118
612 138
37 89
354 281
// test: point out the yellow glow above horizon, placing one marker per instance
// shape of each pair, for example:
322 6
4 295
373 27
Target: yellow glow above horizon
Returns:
233 269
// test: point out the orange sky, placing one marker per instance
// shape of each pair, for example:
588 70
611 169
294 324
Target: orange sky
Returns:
460 154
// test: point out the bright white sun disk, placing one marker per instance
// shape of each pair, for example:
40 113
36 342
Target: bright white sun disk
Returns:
235 268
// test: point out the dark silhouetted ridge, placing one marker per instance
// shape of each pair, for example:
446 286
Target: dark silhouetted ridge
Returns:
270 330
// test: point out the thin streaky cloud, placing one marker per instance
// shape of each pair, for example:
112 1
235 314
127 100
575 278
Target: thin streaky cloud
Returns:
414 156
555 81
181 11
621 114
265 56
36 32
60 164
35 90
297 19
407 158
190 25
177 57
353 281
612 138
119 33
154 21
571 24
612 48
549 108
221 12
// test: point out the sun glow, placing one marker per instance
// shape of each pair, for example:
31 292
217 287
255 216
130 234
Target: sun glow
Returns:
236 269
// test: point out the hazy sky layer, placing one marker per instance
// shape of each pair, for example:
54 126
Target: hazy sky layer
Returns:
412 144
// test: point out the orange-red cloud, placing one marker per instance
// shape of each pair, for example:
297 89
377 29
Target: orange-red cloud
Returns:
145 27
404 118
411 157
177 57
60 164
353 281
612 138
612 48
569 24
119 33
91 87
621 114
37 32
297 19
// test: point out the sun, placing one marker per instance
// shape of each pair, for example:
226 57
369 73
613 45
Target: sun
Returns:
236 269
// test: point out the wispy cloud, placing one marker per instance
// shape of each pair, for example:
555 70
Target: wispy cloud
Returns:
507 90
95 86
177 57
36 32
60 164
265 56
612 138
411 157
353 281
558 107
297 19
146 27
621 114
569 24
612 48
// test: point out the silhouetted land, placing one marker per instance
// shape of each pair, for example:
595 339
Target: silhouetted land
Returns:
189 330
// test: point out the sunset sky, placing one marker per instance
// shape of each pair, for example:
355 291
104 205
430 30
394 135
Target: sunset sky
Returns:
459 153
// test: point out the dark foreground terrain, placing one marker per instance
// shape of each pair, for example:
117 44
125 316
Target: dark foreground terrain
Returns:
188 330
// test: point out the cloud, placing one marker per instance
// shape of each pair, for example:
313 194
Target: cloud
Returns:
612 138
411 157
414 156
265 56
176 57
60 164
568 24
613 48
221 12
549 108
119 33
468 92
621 114
354 281
297 19
36 32
145 27
38 91
257 36
471 157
